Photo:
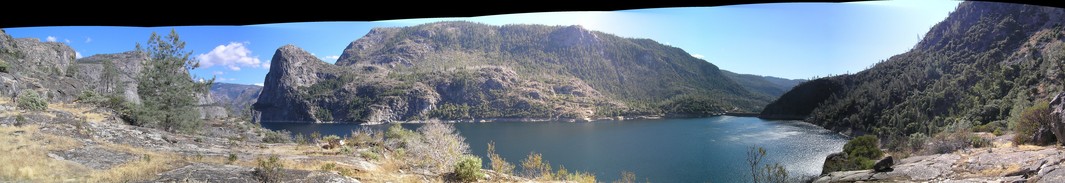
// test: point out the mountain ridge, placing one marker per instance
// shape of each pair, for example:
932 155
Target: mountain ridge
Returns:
465 70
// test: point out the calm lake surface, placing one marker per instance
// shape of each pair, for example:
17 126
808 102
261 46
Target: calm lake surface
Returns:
709 149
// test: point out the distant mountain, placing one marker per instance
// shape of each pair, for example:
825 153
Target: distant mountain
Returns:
463 70
238 98
768 85
980 66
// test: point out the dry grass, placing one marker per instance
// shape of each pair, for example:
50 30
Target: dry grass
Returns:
26 159
80 111
146 166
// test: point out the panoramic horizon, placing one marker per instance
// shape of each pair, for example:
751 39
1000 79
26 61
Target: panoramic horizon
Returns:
921 91
819 41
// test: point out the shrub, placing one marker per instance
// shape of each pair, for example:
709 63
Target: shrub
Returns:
361 137
439 147
329 166
626 177
89 96
30 100
4 67
978 142
301 139
497 162
468 169
332 141
535 167
1033 126
370 155
270 136
866 146
232 158
346 150
764 172
399 133
269 170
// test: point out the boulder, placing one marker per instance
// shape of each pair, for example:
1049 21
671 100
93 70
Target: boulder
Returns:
884 165
833 162
1057 127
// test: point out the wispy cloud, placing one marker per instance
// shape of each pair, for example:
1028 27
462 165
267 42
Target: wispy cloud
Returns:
232 56
258 84
266 65
331 57
50 39
217 72
699 56
77 54
88 40
66 40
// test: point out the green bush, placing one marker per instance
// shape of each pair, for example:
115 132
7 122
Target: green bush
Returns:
4 67
468 169
232 158
91 97
346 150
269 169
866 146
270 136
30 100
1033 126
497 162
397 133
301 139
332 141
370 155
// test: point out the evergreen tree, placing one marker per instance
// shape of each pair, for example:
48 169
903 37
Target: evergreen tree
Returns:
166 88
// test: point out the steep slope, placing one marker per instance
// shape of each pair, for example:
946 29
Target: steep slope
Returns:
766 85
236 97
50 68
463 70
980 66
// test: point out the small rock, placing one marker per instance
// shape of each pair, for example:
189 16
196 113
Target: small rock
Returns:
54 156
884 165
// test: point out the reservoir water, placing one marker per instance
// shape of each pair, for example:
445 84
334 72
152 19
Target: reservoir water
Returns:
709 149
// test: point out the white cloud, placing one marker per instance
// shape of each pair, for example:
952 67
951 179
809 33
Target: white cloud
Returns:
88 40
699 56
66 40
331 57
217 73
50 39
266 65
77 54
225 79
232 56
258 84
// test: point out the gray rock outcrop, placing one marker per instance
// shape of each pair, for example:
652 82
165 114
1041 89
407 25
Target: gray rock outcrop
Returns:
1057 127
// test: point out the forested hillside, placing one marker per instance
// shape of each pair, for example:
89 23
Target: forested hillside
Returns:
978 68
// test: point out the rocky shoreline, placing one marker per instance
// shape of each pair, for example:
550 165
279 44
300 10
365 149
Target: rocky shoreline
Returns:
1002 162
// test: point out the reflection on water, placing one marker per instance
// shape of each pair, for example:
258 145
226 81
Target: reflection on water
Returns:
667 150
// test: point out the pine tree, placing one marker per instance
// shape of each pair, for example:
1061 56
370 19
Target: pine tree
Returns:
166 88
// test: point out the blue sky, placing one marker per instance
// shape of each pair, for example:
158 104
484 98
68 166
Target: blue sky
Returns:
790 40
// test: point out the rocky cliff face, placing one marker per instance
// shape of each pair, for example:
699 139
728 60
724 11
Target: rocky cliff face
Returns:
39 66
290 69
128 65
471 71
50 68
